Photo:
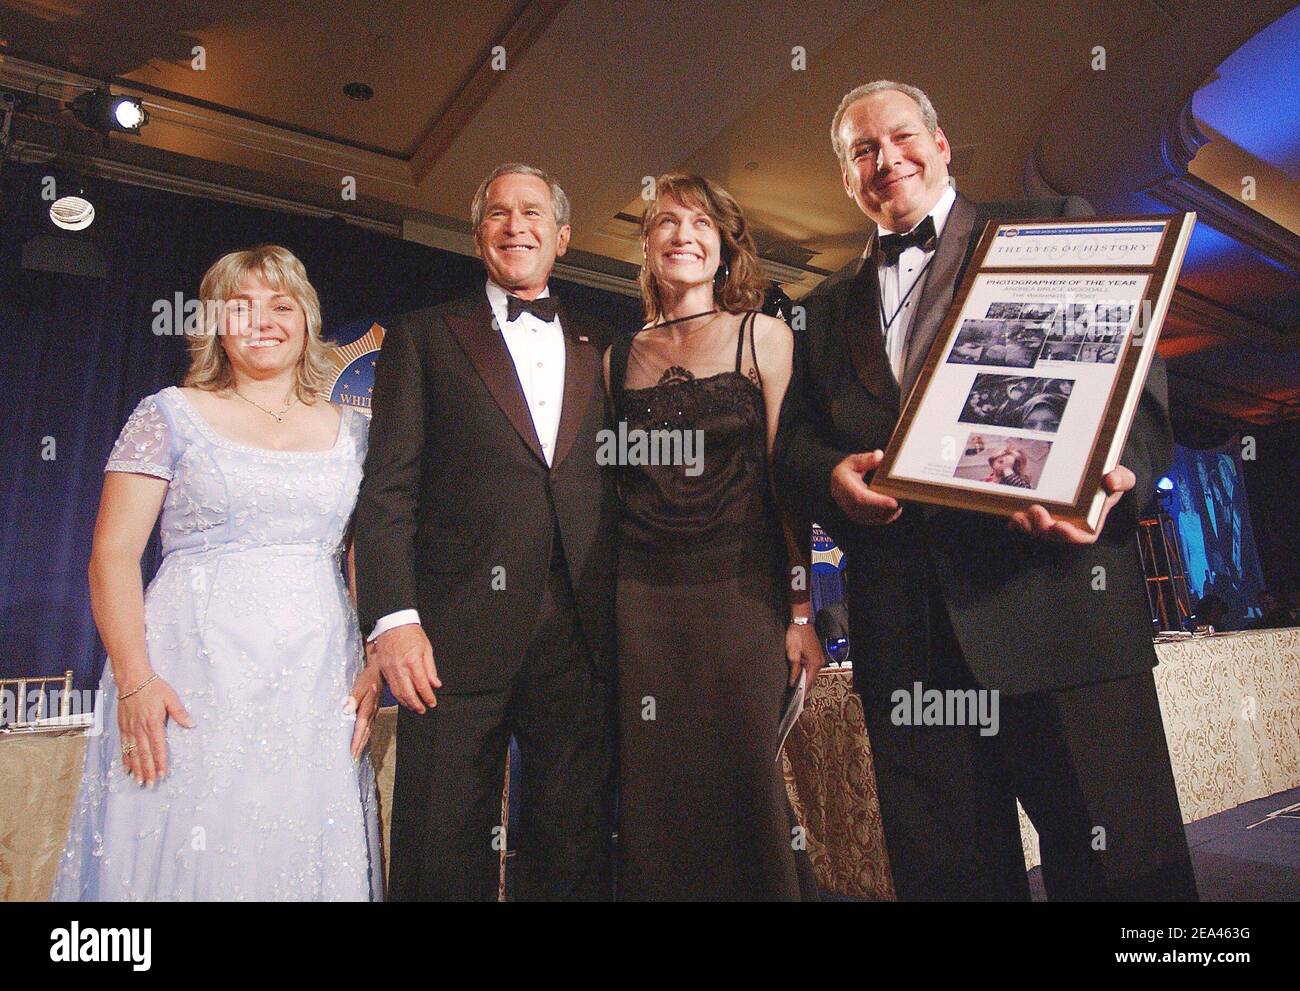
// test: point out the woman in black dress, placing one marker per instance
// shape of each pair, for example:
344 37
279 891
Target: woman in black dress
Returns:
712 631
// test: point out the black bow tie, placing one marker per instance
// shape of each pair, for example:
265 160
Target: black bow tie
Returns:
543 309
923 236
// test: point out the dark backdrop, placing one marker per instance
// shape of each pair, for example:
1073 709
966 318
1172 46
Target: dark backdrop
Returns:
77 353
1272 481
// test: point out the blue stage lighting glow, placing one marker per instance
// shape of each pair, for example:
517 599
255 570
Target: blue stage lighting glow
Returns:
1253 102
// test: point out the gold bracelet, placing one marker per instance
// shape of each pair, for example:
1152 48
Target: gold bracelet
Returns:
121 697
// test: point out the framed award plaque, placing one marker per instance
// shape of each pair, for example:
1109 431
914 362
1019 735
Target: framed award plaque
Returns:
1030 388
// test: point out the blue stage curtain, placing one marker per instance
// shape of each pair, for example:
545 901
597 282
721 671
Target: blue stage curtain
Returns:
77 354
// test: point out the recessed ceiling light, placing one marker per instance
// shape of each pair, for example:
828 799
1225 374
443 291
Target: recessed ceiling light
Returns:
358 91
72 212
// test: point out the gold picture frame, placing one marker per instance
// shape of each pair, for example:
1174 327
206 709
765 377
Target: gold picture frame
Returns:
1046 380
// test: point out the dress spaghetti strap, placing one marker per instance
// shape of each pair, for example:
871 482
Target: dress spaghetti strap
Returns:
753 350
740 341
747 322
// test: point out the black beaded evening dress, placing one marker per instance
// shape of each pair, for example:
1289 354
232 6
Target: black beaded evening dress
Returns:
702 613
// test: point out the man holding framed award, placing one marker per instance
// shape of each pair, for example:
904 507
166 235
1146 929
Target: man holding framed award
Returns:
1041 613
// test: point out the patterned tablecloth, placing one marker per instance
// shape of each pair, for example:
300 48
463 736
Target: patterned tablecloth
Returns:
1231 706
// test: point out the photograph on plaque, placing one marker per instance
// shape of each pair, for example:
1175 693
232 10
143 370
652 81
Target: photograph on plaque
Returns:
1002 460
1033 402
1030 388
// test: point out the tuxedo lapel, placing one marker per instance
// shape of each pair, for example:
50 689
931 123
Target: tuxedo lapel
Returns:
940 286
859 320
582 369
479 337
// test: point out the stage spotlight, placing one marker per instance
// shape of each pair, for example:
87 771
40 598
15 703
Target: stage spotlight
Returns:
1166 484
129 114
101 111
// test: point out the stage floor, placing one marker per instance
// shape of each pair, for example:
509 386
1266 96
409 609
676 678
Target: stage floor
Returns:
1247 854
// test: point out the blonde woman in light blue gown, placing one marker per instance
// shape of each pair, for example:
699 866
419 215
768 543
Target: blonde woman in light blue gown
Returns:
237 702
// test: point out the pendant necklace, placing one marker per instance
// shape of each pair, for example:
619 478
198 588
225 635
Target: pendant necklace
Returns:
279 417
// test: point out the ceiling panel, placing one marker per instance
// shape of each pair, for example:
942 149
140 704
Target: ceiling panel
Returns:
282 61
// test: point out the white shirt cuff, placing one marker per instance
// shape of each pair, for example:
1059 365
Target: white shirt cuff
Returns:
402 617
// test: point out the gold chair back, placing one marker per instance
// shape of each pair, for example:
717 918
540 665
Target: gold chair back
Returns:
16 691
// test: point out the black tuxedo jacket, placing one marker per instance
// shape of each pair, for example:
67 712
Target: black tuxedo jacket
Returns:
1029 615
458 508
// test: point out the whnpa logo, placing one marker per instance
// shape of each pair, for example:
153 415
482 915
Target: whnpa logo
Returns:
827 558
77 945
354 383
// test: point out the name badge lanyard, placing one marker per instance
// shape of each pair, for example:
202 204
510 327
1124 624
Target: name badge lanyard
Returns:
886 324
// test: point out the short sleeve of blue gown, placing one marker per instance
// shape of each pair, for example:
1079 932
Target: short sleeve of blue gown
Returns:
146 445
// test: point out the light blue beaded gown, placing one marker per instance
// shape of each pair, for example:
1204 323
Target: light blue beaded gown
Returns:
249 619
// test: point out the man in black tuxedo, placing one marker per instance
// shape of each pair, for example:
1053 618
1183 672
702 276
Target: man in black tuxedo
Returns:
485 567
1051 617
